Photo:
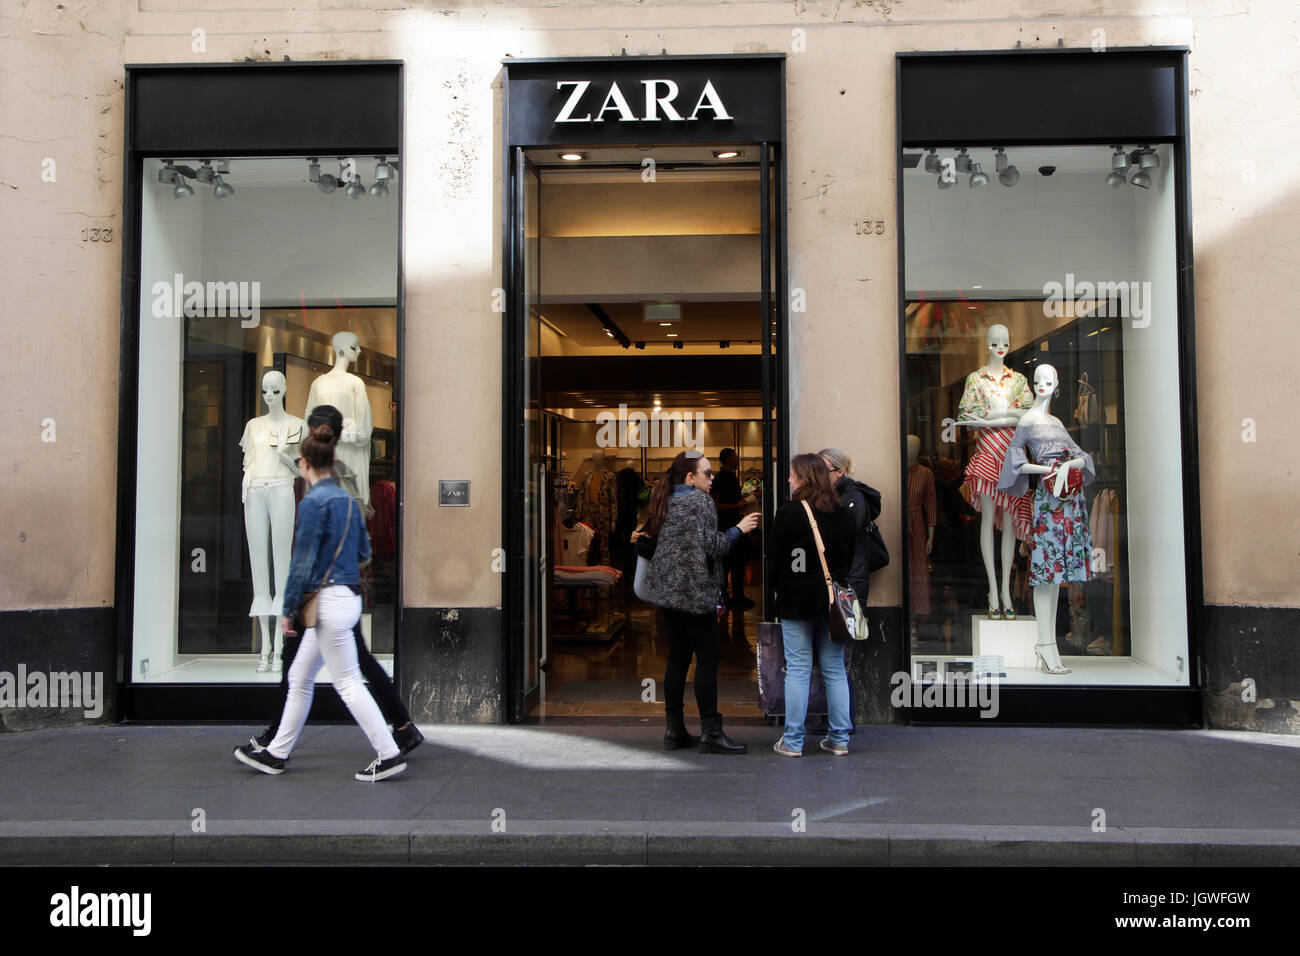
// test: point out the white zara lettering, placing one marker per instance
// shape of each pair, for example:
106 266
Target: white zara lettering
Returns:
660 97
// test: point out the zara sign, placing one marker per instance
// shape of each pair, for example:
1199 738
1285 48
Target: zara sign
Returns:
638 100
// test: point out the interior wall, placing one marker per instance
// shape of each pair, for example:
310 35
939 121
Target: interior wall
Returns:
650 266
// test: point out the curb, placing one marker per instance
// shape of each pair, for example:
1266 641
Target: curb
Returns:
633 843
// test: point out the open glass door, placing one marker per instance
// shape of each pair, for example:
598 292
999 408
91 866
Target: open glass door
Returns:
534 541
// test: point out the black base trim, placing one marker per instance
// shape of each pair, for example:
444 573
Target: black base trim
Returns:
1154 707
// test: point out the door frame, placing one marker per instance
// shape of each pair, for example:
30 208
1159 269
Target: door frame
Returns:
775 303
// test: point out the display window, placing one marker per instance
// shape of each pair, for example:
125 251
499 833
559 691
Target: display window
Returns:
268 287
1044 475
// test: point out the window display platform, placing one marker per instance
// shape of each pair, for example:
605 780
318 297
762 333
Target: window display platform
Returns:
234 669
1091 671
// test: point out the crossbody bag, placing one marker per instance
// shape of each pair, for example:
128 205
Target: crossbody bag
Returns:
846 618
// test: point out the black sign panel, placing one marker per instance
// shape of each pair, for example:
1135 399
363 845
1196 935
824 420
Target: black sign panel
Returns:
629 100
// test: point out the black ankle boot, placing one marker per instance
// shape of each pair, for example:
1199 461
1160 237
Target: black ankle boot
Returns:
714 741
676 736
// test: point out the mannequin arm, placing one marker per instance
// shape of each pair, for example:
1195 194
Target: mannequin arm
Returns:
1062 473
1004 418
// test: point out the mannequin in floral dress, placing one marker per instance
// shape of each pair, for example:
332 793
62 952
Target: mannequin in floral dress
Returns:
1062 543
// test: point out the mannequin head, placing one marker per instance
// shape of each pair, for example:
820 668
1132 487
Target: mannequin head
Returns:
913 449
346 348
1045 381
998 341
273 389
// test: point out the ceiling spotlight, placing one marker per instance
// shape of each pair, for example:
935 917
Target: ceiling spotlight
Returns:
724 344
978 177
1118 168
313 169
384 170
726 153
327 183
640 345
205 172
1008 175
182 189
932 161
573 157
1141 180
169 173
222 189
1148 158
945 183
963 161
679 345
355 189
379 189
1115 178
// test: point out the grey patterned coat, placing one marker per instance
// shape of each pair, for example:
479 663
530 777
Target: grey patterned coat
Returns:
686 572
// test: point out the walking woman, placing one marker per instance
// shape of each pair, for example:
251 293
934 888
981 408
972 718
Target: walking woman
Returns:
330 542
803 602
685 579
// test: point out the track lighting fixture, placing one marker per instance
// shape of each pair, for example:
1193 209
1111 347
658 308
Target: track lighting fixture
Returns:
182 189
932 161
963 161
1118 168
978 177
1008 175
221 189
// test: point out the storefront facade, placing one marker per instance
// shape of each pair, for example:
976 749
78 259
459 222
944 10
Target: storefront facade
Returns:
877 291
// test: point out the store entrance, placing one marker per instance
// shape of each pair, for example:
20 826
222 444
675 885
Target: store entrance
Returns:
650 326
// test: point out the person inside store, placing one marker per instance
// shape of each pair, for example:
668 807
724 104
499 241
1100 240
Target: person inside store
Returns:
405 732
727 499
330 545
813 520
684 580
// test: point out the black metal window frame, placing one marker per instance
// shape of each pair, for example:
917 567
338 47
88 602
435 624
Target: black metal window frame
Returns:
1161 116
243 124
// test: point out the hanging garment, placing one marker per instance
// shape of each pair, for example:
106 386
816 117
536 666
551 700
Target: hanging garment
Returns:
598 507
347 393
575 543
1062 543
383 526
1085 408
922 515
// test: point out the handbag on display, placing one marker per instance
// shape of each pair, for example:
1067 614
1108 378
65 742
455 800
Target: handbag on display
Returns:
848 622
307 609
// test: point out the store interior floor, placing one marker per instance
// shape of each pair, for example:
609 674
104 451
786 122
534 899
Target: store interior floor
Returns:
607 679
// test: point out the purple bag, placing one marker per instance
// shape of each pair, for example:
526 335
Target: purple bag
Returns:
771 674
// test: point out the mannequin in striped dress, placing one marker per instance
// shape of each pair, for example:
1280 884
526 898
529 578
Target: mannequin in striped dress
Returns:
993 401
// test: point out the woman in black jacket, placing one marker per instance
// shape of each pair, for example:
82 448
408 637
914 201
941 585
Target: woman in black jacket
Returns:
803 600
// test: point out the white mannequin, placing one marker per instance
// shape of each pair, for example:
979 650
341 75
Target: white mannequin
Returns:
270 448
347 393
1047 596
998 342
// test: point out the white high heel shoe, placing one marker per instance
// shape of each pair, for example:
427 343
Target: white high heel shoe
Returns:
263 664
1059 668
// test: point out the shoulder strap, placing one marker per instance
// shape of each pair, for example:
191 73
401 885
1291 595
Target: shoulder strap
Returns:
821 551
347 522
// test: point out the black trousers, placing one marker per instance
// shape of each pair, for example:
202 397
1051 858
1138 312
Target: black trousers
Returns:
691 635
377 679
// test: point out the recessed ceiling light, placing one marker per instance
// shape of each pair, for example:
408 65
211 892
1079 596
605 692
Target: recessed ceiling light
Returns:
666 324
573 157
672 335
726 153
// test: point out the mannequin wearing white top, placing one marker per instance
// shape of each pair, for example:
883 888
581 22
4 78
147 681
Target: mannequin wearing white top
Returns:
1047 596
270 447
347 393
998 342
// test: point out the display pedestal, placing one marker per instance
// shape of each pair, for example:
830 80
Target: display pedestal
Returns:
1013 641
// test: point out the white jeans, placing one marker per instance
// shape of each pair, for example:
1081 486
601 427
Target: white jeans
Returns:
268 518
331 642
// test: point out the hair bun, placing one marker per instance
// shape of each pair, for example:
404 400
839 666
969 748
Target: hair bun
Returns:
324 433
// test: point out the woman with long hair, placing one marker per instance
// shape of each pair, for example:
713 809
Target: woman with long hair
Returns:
330 544
684 580
803 601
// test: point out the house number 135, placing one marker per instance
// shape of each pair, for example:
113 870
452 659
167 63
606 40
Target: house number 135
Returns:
868 227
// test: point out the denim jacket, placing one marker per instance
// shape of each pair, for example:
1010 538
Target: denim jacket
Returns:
321 515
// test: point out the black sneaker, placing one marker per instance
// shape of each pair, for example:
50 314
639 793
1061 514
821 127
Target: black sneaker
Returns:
409 738
261 742
260 760
382 769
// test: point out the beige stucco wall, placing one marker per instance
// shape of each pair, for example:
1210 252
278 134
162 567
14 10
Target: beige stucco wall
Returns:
61 86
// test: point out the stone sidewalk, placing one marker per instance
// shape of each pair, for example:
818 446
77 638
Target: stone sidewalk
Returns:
606 792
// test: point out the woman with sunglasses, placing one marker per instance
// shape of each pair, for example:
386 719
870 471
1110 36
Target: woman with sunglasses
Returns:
684 580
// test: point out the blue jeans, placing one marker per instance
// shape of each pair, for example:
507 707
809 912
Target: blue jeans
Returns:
799 638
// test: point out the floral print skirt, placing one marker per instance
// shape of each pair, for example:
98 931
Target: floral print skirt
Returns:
1062 543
